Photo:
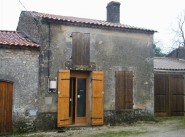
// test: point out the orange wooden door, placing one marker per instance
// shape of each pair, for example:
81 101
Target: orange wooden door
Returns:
63 98
97 97
6 93
79 98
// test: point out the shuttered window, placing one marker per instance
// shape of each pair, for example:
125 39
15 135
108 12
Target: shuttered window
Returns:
124 90
80 48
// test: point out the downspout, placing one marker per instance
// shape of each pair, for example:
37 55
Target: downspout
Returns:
51 81
49 45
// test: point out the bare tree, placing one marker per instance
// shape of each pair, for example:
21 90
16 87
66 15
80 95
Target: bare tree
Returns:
179 38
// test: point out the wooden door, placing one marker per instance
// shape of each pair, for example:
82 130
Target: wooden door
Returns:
169 95
161 92
6 94
97 97
79 84
176 95
73 98
63 98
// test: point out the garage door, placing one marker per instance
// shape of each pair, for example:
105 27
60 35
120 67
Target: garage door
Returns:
169 95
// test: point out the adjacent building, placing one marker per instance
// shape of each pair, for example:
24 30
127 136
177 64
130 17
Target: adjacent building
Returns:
169 86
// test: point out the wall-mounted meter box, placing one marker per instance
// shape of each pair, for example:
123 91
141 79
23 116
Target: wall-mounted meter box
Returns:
52 84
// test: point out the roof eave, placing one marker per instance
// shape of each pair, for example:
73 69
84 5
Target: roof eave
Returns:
19 46
99 26
170 70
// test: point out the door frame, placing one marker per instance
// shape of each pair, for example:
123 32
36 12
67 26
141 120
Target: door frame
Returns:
81 120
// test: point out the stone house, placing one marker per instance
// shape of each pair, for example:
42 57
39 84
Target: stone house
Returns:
81 71
169 86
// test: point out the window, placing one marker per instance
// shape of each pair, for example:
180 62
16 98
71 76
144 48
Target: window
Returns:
124 90
80 48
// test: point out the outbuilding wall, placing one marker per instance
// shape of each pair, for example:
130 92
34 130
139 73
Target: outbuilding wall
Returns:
21 67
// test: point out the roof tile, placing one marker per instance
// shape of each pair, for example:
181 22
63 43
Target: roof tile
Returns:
15 38
88 21
165 63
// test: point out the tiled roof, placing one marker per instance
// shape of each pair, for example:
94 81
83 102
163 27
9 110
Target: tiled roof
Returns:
92 22
15 39
171 64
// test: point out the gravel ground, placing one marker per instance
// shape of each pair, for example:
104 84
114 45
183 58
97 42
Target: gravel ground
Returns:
171 127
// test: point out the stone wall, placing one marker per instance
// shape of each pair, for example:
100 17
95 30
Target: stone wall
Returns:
127 116
21 66
111 51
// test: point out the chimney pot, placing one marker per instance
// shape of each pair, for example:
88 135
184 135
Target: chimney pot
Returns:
113 12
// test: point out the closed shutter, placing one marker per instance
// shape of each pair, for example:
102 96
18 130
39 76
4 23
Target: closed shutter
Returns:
63 98
81 48
124 90
97 97
128 90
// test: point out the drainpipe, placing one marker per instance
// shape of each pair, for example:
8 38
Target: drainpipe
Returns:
51 83
49 45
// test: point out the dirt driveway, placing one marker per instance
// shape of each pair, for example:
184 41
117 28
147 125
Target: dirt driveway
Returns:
165 127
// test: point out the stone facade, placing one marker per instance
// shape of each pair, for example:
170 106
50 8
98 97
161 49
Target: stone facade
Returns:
110 50
21 67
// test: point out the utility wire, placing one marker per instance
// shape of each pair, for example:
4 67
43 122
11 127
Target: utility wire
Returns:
22 5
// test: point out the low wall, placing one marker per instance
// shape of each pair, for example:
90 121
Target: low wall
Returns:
113 117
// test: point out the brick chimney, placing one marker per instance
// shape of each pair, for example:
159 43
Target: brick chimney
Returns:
113 12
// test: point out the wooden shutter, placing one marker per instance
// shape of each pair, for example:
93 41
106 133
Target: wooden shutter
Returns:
6 94
63 98
97 97
81 48
124 90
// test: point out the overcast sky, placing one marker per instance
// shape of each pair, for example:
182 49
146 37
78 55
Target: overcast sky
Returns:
159 15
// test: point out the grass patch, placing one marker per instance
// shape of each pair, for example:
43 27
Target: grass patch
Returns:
163 119
182 121
120 133
179 119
